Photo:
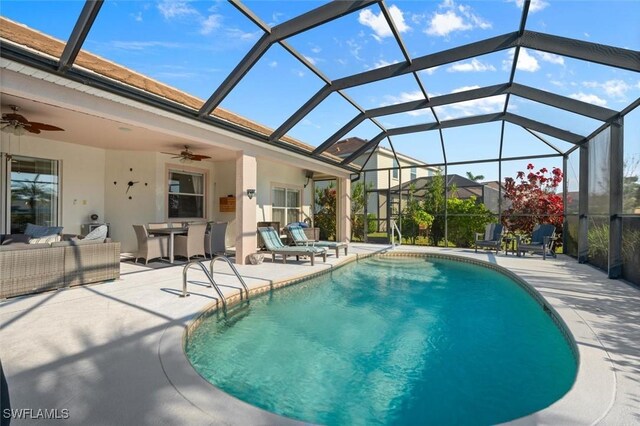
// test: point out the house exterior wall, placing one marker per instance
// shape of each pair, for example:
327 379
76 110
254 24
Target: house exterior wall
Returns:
88 175
82 171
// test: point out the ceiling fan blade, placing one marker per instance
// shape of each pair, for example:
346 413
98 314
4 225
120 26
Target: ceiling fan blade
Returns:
197 157
43 126
32 129
12 116
169 153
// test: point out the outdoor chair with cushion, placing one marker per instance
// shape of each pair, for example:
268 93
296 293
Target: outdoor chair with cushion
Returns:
214 239
299 237
274 245
150 247
541 240
492 237
191 244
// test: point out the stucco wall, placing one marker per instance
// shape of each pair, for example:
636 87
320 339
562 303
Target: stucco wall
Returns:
88 176
82 175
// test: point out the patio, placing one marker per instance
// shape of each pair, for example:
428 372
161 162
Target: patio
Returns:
111 353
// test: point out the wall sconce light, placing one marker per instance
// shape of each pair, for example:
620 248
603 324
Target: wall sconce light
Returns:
251 193
308 174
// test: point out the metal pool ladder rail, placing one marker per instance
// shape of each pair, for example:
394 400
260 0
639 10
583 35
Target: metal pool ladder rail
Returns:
394 225
209 274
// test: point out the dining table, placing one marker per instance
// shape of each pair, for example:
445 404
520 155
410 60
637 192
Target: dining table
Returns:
171 232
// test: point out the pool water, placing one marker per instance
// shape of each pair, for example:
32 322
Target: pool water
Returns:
390 341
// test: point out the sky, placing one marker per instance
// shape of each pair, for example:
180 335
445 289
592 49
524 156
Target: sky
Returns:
194 45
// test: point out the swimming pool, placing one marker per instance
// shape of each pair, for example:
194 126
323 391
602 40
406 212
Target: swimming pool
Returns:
391 341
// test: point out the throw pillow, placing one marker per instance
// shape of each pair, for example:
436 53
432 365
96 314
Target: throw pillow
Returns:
45 240
15 239
100 233
37 231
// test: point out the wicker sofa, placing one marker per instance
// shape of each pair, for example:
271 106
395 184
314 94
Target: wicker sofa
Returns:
31 268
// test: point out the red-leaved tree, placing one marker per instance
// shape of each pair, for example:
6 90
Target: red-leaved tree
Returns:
532 198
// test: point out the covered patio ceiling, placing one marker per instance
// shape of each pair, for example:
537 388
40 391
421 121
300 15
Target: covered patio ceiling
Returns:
68 63
112 135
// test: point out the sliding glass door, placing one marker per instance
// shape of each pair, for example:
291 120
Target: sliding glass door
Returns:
33 192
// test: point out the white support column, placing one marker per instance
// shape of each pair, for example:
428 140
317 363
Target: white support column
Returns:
344 210
246 222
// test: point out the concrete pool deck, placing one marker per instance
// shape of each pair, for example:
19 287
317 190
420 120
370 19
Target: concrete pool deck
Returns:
111 353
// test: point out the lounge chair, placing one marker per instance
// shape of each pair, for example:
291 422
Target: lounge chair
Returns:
274 245
541 240
299 238
491 238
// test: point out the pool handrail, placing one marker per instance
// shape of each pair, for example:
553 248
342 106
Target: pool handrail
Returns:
235 271
211 280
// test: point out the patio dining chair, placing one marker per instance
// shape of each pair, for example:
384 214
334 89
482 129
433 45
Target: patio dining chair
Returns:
274 245
150 247
214 239
299 237
541 240
492 237
191 244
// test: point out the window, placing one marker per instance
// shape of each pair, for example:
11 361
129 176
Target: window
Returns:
414 173
34 187
186 194
394 172
285 205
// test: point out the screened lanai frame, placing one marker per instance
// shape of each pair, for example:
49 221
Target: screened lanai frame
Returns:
279 34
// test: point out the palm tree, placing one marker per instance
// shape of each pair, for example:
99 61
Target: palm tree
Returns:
475 178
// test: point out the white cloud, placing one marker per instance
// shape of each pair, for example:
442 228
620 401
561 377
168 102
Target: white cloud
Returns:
407 97
430 71
175 9
442 24
316 49
383 63
137 16
273 64
526 62
238 34
141 45
550 57
310 59
589 98
471 107
378 23
455 18
612 88
473 65
615 88
209 24
535 6
354 48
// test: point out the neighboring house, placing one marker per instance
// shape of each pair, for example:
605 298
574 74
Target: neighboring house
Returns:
385 175
485 192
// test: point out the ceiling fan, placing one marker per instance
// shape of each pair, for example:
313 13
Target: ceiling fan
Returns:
187 155
18 125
